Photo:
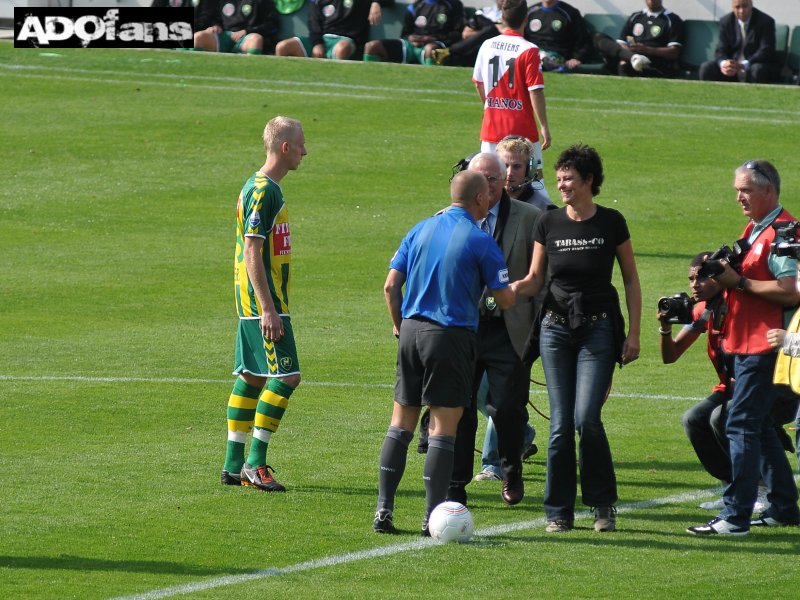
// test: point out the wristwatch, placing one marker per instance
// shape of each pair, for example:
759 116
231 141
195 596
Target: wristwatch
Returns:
741 284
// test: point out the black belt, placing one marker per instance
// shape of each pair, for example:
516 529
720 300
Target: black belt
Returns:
563 319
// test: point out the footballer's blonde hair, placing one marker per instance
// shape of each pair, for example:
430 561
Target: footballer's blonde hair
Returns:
278 130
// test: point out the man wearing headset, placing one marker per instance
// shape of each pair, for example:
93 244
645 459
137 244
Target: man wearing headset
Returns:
523 172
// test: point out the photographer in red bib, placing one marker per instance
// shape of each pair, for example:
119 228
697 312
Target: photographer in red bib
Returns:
761 296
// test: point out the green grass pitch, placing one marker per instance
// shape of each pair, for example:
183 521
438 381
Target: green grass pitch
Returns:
120 171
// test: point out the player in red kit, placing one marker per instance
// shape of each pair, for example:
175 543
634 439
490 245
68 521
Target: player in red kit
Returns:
508 76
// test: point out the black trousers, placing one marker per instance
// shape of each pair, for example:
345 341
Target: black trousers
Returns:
613 53
758 73
509 384
464 52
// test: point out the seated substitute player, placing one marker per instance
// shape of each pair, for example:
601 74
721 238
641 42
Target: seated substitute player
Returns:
337 29
484 24
560 32
205 11
266 357
444 263
427 25
649 46
240 27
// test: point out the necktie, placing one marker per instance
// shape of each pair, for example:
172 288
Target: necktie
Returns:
743 35
485 225
742 76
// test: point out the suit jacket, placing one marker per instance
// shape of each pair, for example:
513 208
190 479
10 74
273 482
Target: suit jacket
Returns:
514 232
760 41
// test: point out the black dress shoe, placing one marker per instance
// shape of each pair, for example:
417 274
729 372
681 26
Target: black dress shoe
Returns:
513 490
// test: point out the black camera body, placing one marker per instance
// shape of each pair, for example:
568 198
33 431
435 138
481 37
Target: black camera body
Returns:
790 246
676 308
712 266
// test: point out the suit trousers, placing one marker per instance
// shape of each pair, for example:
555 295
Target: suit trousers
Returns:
509 384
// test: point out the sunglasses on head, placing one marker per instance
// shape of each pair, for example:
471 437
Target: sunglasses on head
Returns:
754 166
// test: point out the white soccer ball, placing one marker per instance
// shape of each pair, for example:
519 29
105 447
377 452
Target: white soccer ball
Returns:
450 522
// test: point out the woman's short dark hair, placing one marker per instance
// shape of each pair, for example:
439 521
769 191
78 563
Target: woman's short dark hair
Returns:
514 13
586 161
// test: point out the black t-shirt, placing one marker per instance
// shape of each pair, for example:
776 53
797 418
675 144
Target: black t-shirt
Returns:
349 18
559 29
581 254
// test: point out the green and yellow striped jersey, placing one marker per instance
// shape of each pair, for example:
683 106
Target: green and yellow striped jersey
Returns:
261 212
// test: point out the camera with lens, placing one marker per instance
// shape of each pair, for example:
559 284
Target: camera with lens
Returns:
790 245
676 308
712 266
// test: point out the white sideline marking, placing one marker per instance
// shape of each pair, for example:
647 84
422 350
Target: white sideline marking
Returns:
339 384
349 557
229 84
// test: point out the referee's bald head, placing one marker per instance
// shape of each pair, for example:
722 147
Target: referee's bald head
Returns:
466 186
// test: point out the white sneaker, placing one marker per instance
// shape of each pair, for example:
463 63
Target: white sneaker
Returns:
487 475
639 62
713 505
717 526
762 504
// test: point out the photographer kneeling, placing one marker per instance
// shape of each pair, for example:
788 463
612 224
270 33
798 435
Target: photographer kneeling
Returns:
701 313
704 423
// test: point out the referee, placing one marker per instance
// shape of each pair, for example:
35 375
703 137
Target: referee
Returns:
444 262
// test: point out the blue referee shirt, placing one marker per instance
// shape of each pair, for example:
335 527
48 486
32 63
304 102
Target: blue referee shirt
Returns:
447 261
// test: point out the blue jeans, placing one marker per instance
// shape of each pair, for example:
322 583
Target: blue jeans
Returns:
755 448
490 455
578 366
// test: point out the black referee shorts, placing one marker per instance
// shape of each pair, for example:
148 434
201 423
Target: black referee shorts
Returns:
435 364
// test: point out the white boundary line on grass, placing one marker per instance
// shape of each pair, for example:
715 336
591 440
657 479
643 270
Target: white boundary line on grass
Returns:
357 92
336 384
422 543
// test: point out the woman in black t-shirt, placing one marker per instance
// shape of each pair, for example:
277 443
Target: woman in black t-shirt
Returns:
581 334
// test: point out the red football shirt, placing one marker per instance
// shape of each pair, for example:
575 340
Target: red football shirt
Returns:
508 67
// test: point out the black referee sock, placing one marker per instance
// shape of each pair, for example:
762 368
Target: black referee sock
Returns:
392 465
438 469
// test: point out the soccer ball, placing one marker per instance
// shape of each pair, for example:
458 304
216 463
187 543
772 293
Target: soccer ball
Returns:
450 522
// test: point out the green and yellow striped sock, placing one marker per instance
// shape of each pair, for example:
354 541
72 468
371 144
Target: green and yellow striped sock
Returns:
241 414
269 412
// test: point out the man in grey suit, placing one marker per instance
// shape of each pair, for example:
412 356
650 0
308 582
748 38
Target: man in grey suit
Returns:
746 47
501 340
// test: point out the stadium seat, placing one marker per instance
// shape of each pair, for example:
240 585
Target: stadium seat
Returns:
610 24
699 43
793 55
391 24
603 23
